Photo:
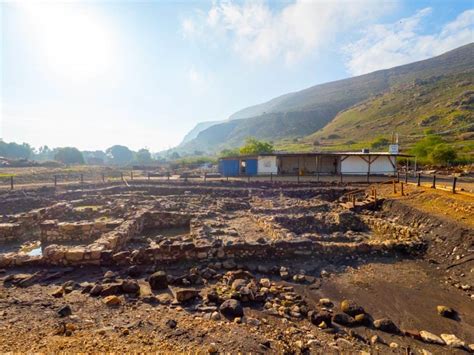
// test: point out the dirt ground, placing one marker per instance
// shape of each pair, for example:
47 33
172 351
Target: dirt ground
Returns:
403 288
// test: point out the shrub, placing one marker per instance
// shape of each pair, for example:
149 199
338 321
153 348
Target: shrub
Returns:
443 154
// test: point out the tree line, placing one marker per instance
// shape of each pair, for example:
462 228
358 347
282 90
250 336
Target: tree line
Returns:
115 155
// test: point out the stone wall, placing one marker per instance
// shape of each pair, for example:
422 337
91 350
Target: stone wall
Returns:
54 231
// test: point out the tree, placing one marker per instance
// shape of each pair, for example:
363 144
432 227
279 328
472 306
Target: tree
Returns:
15 151
423 147
380 143
253 146
119 155
175 156
443 154
68 155
229 153
143 156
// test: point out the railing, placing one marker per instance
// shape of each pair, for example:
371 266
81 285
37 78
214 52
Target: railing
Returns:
436 181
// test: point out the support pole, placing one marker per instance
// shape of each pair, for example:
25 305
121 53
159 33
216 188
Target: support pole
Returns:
398 175
401 187
368 177
168 175
454 184
418 182
433 185
394 187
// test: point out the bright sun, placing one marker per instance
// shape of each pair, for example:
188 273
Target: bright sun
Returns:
72 41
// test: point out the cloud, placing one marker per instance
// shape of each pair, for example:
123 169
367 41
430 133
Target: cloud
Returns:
388 45
260 33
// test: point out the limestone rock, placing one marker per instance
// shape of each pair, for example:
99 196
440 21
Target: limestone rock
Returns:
112 301
431 338
453 341
130 286
318 317
184 294
343 319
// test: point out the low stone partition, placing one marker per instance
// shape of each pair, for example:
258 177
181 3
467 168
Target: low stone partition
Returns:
53 231
11 232
391 230
161 220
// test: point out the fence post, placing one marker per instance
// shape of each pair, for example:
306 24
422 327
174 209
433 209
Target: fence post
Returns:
418 182
398 176
55 180
353 200
454 184
11 182
401 187
131 175
394 187
433 186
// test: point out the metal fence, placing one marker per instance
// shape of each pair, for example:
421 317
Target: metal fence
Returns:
446 182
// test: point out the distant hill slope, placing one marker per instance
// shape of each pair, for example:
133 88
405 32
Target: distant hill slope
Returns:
302 113
201 126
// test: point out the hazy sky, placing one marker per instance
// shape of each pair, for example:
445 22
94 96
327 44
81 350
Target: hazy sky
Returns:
92 74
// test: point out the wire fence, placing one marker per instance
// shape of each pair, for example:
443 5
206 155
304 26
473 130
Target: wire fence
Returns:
436 181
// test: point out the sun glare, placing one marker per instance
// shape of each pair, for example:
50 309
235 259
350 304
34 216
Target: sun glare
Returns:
74 43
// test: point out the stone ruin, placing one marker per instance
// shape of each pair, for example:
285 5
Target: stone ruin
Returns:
146 224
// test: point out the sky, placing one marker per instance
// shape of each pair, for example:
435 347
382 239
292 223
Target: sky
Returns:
92 74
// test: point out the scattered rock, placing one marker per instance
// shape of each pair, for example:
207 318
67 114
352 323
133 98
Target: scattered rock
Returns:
446 311
130 286
431 338
215 316
326 302
158 280
231 308
184 294
212 348
171 323
112 301
351 308
453 341
394 345
65 311
375 339
58 292
386 325
111 289
96 290
343 319
317 317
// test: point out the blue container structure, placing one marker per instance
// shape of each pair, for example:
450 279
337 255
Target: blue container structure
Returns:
229 167
238 166
251 166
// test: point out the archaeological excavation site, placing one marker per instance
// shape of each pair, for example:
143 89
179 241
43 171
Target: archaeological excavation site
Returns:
236 266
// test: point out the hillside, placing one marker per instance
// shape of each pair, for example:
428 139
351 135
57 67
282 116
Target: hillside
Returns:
201 126
293 116
442 103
